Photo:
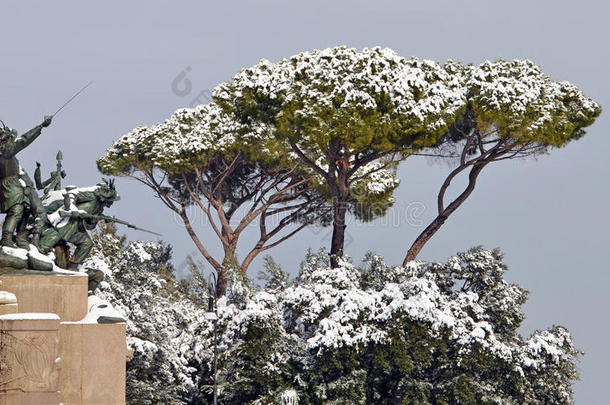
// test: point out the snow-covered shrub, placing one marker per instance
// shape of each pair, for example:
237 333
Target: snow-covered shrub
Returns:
427 333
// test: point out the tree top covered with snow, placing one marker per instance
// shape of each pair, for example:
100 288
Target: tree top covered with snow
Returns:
188 139
468 315
360 110
377 99
372 98
517 99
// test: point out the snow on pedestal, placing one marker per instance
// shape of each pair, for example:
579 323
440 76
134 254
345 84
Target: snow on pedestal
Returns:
8 302
93 355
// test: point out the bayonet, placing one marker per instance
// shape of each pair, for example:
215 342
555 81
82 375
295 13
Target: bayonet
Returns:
84 215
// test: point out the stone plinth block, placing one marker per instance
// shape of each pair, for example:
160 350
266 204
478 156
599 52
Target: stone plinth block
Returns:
62 293
8 309
29 362
8 303
93 363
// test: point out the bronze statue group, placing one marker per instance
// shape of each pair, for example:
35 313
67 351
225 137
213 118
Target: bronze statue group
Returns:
54 223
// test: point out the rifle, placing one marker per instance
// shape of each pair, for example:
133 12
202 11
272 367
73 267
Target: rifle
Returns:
83 215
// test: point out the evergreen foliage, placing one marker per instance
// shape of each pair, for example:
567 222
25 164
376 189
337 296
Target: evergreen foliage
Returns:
428 333
204 161
346 113
140 283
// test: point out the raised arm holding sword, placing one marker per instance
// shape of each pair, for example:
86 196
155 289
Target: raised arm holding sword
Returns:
18 196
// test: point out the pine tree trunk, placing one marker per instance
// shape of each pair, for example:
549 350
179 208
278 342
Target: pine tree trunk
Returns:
338 238
221 283
229 262
423 238
435 225
339 190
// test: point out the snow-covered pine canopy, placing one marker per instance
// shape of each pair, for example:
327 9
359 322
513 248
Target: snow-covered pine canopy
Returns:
368 99
513 111
515 99
186 140
369 103
192 137
377 100
347 117
362 104
206 158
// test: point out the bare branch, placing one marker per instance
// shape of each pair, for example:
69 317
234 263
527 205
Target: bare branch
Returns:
189 228
308 161
226 172
224 222
205 209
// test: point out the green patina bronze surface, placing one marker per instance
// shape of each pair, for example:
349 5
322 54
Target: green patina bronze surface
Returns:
59 222
18 199
54 181
79 211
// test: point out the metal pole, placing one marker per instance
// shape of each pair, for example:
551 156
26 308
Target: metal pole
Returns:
215 361
212 307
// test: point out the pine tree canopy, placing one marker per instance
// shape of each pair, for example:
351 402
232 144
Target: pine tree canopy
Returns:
189 139
364 110
339 121
515 99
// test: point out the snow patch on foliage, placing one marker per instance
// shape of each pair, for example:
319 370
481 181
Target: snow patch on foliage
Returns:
342 77
464 303
531 101
185 140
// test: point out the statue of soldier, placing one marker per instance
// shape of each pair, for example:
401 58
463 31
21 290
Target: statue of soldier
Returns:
71 217
18 197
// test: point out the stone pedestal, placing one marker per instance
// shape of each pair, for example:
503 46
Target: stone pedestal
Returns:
61 293
93 363
93 355
29 362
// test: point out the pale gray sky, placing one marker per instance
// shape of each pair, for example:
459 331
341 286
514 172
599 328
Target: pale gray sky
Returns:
549 216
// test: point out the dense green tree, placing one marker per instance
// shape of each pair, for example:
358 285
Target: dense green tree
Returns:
427 333
349 116
513 111
140 282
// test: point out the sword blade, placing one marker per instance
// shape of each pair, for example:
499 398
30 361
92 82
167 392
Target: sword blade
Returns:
72 98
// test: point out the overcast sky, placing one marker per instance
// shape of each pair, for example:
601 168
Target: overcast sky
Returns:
549 216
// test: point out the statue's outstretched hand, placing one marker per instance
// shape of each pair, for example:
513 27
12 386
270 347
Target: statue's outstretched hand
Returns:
47 121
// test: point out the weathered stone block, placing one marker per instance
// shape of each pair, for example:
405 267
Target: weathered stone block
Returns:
93 363
8 309
61 293
29 362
